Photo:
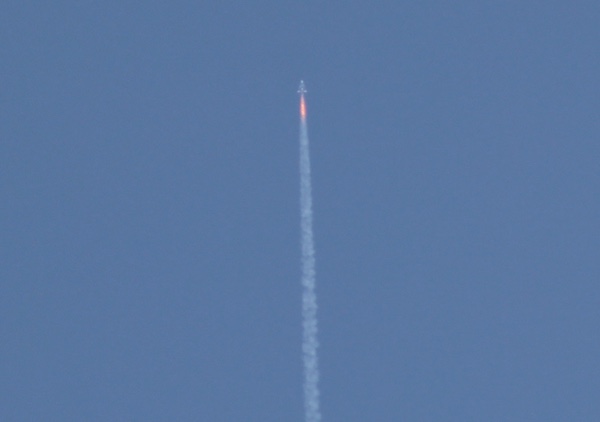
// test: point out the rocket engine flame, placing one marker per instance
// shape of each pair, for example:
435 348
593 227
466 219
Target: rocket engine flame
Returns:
302 107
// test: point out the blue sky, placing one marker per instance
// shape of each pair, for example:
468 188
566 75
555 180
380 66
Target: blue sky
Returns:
150 212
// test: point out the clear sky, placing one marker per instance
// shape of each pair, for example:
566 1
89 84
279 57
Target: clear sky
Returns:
149 214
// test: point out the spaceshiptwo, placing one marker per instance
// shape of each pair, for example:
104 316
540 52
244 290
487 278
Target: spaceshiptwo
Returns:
302 89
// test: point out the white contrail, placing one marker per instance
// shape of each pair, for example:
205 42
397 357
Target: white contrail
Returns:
309 297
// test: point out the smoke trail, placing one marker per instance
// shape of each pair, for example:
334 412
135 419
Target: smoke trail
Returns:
309 297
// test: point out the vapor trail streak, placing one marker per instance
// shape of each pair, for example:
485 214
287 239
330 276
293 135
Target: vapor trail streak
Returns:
309 297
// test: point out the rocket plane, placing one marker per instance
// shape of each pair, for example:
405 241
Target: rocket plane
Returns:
302 89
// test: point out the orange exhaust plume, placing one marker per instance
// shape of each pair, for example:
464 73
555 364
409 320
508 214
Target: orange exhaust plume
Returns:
302 107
